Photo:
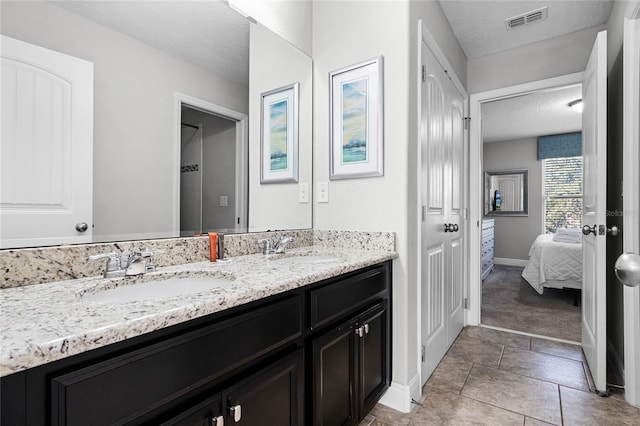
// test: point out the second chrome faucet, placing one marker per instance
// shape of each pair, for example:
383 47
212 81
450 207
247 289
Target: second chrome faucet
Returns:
269 247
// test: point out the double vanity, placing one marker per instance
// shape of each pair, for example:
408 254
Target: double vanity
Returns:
301 337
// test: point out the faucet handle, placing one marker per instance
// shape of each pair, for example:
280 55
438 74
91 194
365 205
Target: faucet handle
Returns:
113 266
148 254
267 245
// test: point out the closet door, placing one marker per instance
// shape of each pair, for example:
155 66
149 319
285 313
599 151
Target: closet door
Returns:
442 147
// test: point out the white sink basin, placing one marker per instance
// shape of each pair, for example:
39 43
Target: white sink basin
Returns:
314 259
154 290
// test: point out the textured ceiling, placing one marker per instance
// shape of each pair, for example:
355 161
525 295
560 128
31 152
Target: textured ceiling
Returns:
532 115
205 33
480 29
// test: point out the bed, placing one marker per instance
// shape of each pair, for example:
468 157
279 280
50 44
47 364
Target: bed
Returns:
553 264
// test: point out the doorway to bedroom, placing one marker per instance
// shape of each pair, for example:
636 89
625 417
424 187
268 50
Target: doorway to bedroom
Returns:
531 239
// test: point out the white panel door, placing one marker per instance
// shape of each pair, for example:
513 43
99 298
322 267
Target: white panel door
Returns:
594 139
442 148
46 150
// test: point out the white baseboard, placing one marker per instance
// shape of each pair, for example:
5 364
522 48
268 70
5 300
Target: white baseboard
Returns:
399 396
509 262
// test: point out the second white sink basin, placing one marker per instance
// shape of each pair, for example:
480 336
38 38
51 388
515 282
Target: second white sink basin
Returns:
154 290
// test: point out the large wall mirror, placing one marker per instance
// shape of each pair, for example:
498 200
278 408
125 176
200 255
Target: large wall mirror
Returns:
176 124
506 193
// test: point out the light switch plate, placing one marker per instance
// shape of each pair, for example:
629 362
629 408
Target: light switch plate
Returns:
323 192
303 193
224 201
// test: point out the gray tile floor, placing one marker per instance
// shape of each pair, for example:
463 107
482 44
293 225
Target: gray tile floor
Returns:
494 377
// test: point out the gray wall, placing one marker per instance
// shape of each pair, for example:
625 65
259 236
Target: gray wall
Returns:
134 134
514 235
536 61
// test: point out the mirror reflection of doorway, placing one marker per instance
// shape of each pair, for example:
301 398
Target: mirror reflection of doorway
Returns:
207 172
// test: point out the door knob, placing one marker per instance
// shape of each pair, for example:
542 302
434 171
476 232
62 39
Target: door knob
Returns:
448 227
456 228
82 226
613 231
586 230
627 269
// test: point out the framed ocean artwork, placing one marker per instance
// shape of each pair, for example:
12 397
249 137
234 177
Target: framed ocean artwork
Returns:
356 120
279 135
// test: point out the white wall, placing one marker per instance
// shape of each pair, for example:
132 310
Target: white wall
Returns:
134 86
536 61
275 205
346 33
290 19
514 235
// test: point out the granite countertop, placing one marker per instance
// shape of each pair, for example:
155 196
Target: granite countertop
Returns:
46 322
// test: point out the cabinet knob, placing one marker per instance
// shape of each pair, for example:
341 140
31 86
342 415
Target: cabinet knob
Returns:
360 331
216 421
366 329
236 411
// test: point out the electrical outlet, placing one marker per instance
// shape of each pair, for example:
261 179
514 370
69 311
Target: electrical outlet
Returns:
224 201
303 193
323 192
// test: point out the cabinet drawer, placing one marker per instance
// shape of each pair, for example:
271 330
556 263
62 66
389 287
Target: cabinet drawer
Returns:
335 300
127 386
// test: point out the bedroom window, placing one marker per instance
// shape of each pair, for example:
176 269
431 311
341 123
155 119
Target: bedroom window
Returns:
562 193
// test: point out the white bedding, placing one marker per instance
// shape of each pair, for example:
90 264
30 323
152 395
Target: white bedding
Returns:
553 264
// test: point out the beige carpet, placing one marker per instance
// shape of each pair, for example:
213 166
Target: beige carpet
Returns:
508 301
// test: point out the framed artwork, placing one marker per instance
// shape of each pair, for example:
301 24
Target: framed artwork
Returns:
356 120
279 135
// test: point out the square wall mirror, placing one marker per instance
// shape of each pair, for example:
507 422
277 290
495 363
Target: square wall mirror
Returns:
506 193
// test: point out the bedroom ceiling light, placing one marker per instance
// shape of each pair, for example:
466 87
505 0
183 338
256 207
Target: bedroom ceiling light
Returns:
576 105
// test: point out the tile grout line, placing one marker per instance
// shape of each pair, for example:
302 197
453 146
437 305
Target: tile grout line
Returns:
501 355
561 411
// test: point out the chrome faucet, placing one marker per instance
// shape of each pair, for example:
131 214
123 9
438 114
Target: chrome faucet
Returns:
281 245
136 263
268 247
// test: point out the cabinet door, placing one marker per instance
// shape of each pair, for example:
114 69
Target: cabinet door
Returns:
373 356
207 413
273 396
334 374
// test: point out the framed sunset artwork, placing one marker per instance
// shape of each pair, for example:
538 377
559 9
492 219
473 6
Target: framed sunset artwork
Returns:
279 135
356 120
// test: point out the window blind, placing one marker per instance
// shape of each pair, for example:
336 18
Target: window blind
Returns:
562 193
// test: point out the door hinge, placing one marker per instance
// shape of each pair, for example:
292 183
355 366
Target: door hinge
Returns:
424 213
467 120
465 302
422 356
424 73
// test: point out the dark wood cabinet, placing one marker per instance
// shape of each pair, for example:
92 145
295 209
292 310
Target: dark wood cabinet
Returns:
350 365
319 354
272 396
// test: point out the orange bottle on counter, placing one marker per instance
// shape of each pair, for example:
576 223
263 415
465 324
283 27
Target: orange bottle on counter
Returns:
213 245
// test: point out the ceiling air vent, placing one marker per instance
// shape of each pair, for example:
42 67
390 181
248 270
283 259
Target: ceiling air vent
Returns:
526 18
